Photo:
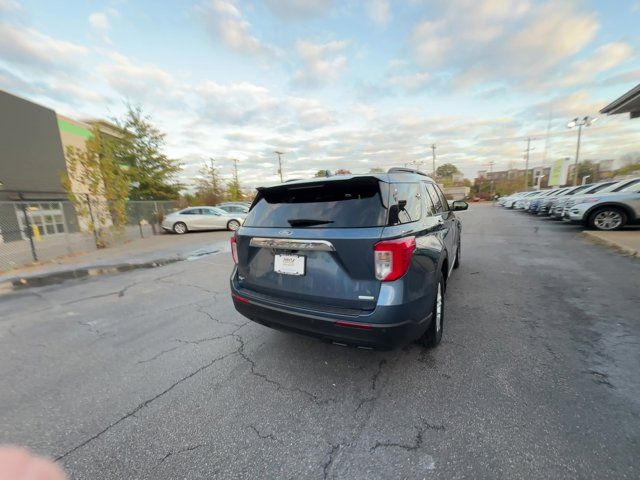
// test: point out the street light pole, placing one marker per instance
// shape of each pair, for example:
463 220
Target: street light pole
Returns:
526 167
433 154
577 122
279 164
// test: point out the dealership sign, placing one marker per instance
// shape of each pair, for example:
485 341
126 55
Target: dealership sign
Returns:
559 171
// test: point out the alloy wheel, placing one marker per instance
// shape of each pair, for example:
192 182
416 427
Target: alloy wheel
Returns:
608 220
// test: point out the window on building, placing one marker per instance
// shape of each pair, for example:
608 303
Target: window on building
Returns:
47 217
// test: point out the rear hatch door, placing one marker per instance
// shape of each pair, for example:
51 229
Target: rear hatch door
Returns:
312 243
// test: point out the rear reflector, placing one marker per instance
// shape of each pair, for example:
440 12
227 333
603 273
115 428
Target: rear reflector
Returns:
234 249
393 257
240 299
359 326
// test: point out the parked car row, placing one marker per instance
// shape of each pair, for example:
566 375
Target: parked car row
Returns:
607 205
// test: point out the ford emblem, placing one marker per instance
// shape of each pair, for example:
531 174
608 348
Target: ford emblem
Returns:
285 232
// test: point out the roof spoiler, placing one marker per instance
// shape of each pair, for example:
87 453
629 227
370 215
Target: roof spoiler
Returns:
406 170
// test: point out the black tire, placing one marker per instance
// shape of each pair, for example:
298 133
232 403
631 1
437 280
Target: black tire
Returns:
456 264
607 219
433 335
233 225
180 228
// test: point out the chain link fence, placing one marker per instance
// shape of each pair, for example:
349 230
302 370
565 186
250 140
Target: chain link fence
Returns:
41 230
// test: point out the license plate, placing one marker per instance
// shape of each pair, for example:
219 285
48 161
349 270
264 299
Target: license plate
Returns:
289 264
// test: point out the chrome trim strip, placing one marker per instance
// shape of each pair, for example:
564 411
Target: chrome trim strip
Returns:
292 244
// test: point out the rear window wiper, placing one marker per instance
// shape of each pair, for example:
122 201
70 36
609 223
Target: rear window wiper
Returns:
307 222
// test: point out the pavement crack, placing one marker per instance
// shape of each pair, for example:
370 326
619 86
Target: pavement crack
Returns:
601 378
262 435
279 386
159 354
119 293
364 401
417 441
177 452
330 457
141 406
200 309
376 375
180 284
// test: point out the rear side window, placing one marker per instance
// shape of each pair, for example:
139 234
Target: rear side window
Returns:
430 208
322 205
624 186
191 211
404 203
435 198
443 199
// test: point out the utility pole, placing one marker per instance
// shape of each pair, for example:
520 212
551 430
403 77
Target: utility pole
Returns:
433 154
235 171
279 164
214 177
526 168
491 179
417 163
236 181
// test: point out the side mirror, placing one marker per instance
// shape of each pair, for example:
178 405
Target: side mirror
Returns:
460 205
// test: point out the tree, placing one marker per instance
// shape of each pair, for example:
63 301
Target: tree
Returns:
323 173
105 185
234 191
377 170
153 174
587 169
209 187
446 170
342 171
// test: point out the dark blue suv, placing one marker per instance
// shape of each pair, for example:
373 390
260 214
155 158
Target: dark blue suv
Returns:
359 260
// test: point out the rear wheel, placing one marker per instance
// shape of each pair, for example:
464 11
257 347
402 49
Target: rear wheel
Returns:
233 225
179 228
433 335
607 218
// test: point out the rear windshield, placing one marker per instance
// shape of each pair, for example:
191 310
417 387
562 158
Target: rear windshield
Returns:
320 205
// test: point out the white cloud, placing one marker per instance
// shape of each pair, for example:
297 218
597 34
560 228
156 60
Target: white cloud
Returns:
604 58
489 40
411 83
225 22
139 82
9 6
298 9
99 20
431 43
322 63
379 11
35 51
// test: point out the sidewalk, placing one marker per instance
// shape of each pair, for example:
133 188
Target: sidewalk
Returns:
158 248
626 242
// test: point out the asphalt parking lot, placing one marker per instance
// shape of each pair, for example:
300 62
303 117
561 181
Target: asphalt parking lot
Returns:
152 374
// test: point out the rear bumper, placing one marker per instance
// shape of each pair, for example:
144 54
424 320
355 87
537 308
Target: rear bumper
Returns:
384 328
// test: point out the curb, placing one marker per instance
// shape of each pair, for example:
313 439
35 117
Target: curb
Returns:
626 251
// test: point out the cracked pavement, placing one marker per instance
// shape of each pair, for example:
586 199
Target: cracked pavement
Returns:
151 374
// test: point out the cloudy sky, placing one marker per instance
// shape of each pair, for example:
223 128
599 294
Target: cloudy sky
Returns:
336 84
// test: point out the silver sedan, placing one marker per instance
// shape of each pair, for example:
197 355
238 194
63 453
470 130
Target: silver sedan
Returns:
202 218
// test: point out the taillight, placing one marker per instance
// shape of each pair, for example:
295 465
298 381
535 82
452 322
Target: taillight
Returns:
234 249
392 258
